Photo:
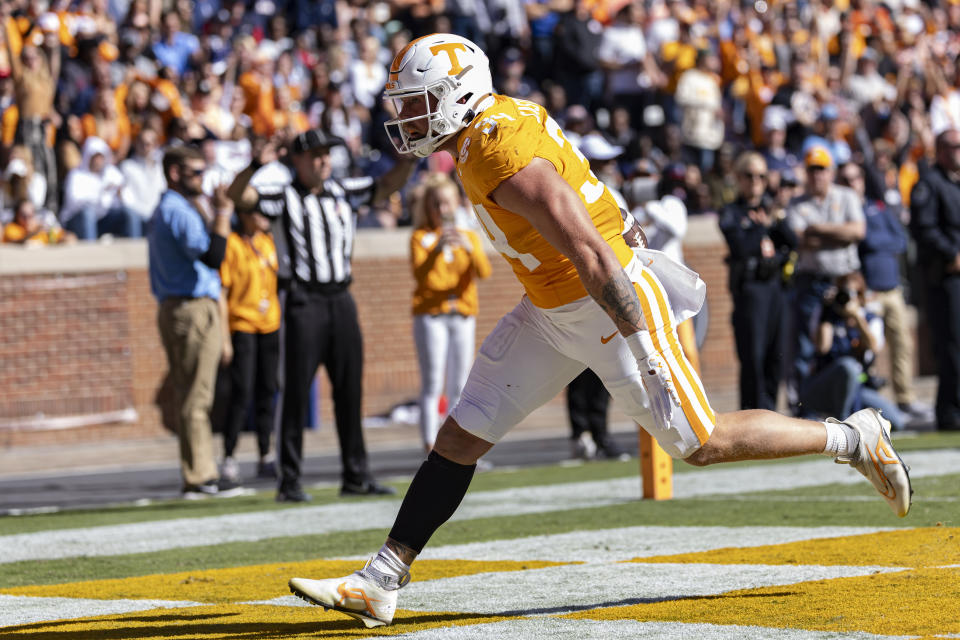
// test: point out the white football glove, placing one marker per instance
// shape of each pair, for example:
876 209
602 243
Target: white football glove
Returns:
660 388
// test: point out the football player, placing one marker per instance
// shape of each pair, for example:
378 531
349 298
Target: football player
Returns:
591 301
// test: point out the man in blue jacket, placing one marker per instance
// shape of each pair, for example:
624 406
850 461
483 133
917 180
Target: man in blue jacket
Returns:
184 277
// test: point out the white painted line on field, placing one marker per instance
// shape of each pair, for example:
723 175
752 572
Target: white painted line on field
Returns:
564 629
553 589
377 514
16 610
611 545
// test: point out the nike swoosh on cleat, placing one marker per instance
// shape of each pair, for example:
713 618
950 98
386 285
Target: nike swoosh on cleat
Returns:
608 338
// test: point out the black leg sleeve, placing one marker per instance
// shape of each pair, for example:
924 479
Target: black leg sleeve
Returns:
433 496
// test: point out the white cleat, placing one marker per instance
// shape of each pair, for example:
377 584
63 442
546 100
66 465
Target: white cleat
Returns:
876 459
353 595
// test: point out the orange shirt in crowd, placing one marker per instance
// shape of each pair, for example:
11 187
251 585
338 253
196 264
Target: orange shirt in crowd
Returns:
446 281
259 101
683 56
17 233
249 274
8 127
121 138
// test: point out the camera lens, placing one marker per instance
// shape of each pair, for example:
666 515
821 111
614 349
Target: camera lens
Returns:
842 297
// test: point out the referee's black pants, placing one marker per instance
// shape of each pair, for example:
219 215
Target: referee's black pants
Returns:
322 329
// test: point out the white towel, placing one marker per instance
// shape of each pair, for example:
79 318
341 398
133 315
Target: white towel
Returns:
685 290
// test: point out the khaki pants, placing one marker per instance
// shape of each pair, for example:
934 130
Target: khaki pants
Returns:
190 330
897 332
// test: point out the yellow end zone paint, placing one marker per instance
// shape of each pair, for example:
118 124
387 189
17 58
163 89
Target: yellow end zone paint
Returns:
262 622
258 582
929 547
909 602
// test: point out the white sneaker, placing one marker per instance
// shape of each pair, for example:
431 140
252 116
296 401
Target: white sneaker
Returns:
583 447
876 459
353 595
230 470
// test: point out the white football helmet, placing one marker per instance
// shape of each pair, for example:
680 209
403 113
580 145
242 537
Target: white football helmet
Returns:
448 67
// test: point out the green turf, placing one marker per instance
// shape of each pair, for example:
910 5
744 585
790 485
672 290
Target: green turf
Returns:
808 507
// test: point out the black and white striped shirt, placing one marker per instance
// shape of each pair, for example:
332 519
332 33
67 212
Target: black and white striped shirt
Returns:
314 233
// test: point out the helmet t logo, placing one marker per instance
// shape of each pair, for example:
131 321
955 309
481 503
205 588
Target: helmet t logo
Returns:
450 49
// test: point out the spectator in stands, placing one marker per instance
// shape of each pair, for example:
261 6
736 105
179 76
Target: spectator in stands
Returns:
368 74
21 181
29 227
829 223
699 97
250 320
577 39
175 48
35 71
92 205
107 123
631 72
143 181
184 268
760 243
447 261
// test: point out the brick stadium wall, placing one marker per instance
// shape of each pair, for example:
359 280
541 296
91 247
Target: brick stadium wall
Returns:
79 336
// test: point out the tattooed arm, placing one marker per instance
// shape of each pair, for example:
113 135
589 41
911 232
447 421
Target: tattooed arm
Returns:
541 195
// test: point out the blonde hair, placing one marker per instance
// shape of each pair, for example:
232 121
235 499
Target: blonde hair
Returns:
746 158
431 183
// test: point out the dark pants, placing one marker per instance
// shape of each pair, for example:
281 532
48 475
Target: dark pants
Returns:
587 402
758 327
322 329
253 373
943 313
808 309
119 221
32 132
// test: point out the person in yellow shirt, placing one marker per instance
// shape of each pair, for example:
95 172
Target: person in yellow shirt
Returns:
446 261
28 228
591 301
250 312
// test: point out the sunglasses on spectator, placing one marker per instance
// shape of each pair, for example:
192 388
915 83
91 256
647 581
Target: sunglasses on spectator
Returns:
753 176
191 173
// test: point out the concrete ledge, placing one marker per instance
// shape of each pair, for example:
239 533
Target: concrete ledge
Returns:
122 254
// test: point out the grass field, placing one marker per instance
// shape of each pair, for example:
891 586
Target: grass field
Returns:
788 549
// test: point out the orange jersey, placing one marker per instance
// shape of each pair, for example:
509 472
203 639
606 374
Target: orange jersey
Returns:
16 233
446 280
501 141
249 273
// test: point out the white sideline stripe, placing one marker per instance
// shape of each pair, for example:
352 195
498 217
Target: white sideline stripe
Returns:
611 545
16 610
551 590
375 514
563 629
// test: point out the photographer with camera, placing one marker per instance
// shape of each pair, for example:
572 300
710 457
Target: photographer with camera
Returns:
847 340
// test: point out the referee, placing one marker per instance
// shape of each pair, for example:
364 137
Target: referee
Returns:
314 222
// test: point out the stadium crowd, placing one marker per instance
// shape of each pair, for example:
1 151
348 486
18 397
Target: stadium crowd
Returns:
665 92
